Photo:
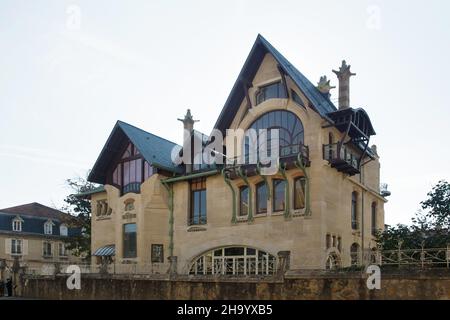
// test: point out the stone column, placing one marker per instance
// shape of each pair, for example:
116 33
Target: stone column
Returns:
188 125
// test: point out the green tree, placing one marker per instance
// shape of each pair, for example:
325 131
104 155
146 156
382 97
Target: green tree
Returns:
80 209
429 228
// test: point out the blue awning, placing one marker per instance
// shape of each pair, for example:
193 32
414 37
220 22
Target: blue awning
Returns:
109 250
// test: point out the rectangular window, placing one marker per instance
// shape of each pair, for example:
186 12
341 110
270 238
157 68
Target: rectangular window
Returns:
354 211
374 218
243 201
261 198
279 192
62 250
129 240
157 253
16 246
198 202
47 251
299 193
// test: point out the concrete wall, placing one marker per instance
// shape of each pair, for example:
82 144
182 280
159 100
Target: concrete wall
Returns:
335 287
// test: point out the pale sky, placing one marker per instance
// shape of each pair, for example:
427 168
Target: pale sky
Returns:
70 69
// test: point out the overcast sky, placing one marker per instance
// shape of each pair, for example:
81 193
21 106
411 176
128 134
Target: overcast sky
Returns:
70 69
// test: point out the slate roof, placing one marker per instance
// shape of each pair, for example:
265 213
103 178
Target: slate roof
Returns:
34 216
156 150
320 102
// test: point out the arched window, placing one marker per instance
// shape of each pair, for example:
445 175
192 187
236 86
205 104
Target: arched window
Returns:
234 261
243 201
63 231
355 254
333 262
374 218
261 198
279 195
354 209
291 133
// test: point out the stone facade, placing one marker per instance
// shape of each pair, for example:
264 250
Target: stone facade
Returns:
310 238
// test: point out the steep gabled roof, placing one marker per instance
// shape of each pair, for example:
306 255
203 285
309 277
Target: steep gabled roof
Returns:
260 48
156 150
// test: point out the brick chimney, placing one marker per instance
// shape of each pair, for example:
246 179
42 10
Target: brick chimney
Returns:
344 75
188 128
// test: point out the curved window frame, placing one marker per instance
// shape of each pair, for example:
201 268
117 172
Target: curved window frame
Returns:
234 260
355 254
291 133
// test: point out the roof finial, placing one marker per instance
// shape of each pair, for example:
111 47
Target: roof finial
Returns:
188 119
324 86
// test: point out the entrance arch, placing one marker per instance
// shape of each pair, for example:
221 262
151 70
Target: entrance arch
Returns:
234 260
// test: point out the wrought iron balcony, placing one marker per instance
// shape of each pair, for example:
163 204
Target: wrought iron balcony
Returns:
343 159
134 187
288 155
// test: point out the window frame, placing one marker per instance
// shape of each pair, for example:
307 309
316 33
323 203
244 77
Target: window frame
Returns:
262 90
17 222
157 258
197 192
66 232
48 227
274 195
354 211
258 186
242 189
127 241
374 216
301 178
47 249
15 245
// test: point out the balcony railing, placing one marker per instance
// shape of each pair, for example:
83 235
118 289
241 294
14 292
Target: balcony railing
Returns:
134 187
343 159
287 155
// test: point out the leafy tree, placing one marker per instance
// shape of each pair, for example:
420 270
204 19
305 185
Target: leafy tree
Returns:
430 226
80 209
438 205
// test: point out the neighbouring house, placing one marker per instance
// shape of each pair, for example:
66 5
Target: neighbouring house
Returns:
37 236
319 209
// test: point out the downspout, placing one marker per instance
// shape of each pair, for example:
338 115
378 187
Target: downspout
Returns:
250 200
299 164
233 195
361 181
287 211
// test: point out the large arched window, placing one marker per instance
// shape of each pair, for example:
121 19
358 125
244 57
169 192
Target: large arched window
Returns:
291 133
234 261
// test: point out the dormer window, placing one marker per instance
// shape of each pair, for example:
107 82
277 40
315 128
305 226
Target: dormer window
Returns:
131 171
63 231
48 227
17 224
270 91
